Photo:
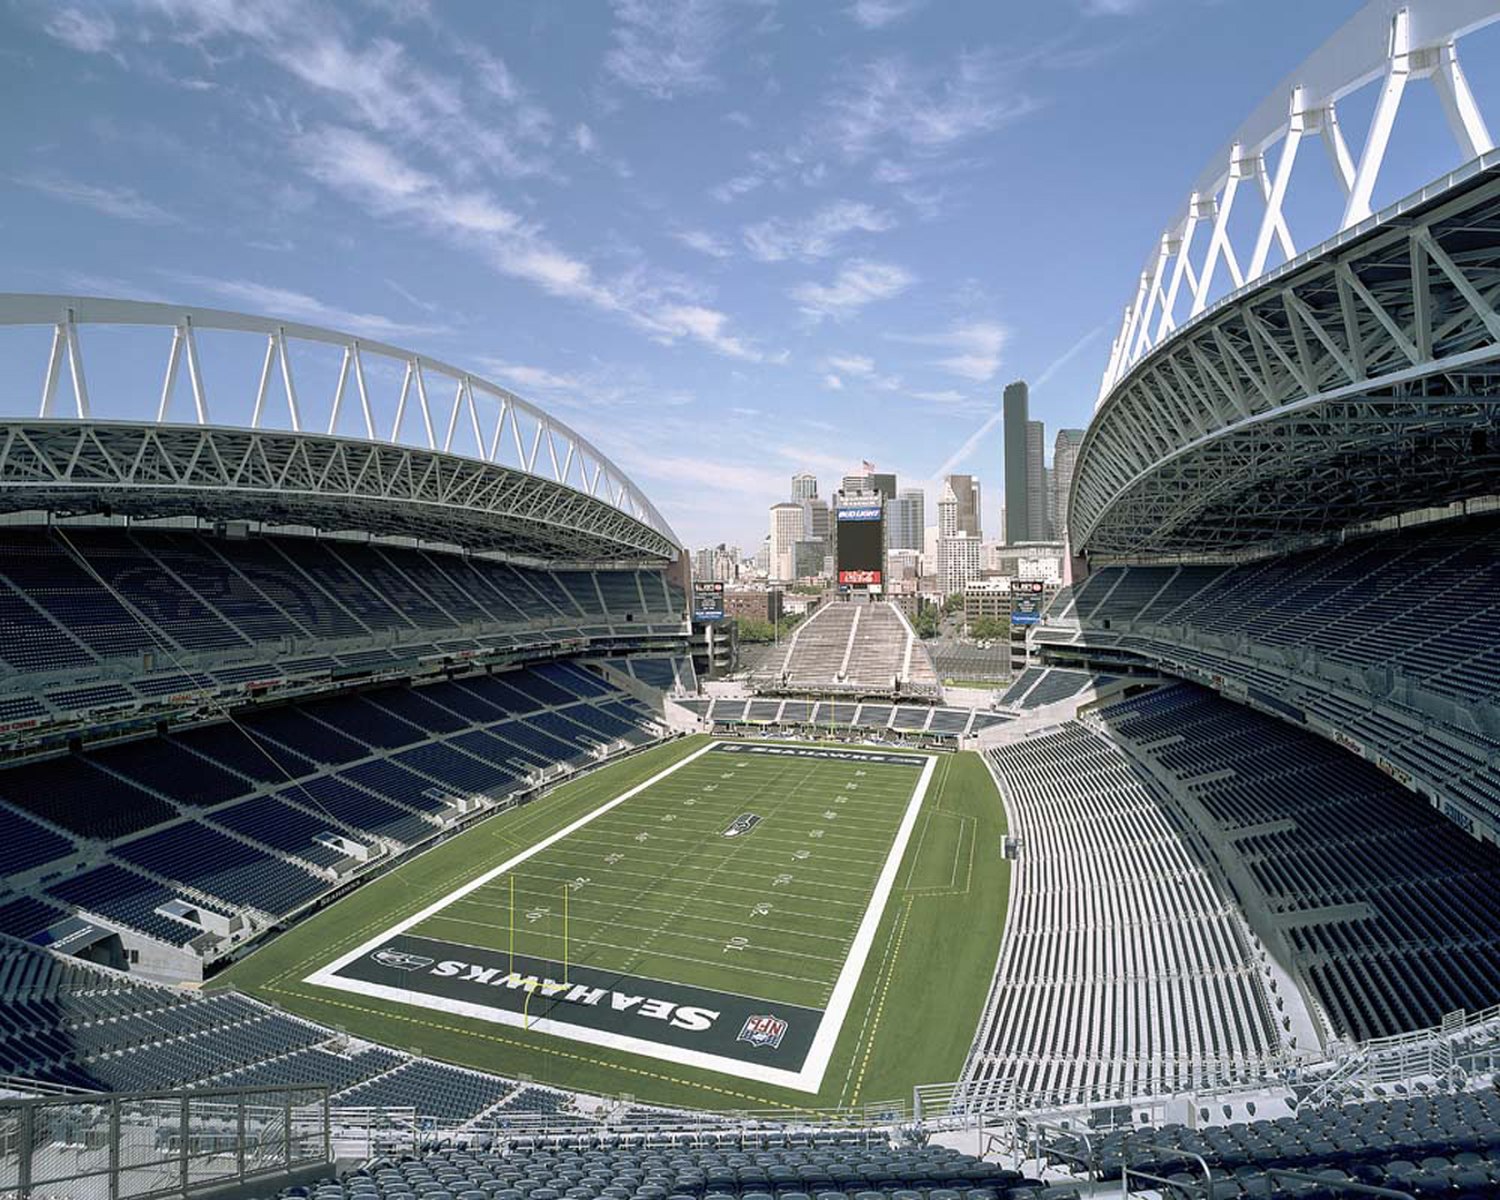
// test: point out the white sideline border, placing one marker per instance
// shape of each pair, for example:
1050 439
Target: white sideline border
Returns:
808 1079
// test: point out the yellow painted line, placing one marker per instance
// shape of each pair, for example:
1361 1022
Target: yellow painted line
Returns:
880 1004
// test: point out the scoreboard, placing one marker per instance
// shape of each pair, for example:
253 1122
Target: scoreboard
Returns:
861 544
1026 601
708 600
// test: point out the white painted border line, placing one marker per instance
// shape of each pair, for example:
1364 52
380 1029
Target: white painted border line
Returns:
808 1079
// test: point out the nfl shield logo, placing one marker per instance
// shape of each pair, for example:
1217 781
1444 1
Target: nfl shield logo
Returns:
763 1031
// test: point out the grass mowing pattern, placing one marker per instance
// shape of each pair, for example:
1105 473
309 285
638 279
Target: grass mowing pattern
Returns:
655 888
911 1022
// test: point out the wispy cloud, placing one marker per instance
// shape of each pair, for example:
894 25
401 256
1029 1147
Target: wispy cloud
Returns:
125 203
705 243
89 32
816 236
732 189
859 282
370 173
890 105
975 346
859 369
667 48
877 14
1111 8
284 302
474 113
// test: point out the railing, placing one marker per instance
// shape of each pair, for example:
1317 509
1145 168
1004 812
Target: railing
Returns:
135 1146
1453 1048
365 1131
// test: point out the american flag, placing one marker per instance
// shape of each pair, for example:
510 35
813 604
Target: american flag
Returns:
869 467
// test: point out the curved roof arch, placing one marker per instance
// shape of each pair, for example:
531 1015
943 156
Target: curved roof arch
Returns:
441 423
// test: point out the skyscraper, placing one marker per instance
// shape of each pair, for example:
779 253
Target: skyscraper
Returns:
786 532
804 486
947 524
1015 419
1036 483
1064 456
905 519
965 490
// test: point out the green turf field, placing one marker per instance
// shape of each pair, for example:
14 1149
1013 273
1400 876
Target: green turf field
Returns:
656 888
662 907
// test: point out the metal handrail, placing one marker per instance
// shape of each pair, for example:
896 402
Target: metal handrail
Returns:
1350 1185
1126 1171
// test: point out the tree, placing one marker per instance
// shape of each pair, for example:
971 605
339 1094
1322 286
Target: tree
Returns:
926 623
753 630
988 629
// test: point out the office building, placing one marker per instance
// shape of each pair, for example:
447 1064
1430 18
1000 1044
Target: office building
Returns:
786 532
958 562
1064 456
1036 483
804 486
906 519
869 480
1015 418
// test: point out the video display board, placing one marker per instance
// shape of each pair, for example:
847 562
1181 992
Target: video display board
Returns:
1026 601
861 544
708 600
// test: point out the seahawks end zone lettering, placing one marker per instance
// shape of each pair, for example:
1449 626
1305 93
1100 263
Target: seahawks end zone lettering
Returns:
387 967
659 1011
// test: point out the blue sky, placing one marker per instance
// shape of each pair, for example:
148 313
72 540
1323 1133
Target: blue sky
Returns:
725 239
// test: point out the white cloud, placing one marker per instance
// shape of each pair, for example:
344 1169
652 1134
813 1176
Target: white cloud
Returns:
473 112
861 369
88 32
704 324
852 364
283 302
816 236
948 398
859 282
371 174
833 383
584 139
877 14
125 203
666 48
704 243
733 189
889 103
976 347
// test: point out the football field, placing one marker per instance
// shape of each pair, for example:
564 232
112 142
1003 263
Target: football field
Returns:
722 924
718 915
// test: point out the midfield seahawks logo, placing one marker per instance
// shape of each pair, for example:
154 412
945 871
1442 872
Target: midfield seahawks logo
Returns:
767 1030
743 823
400 960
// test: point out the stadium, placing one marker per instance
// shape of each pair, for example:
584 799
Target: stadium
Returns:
368 831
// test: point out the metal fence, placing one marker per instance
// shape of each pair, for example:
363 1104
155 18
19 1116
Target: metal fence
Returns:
157 1144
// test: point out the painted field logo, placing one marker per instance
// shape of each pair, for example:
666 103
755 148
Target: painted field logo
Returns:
743 823
763 1031
400 960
